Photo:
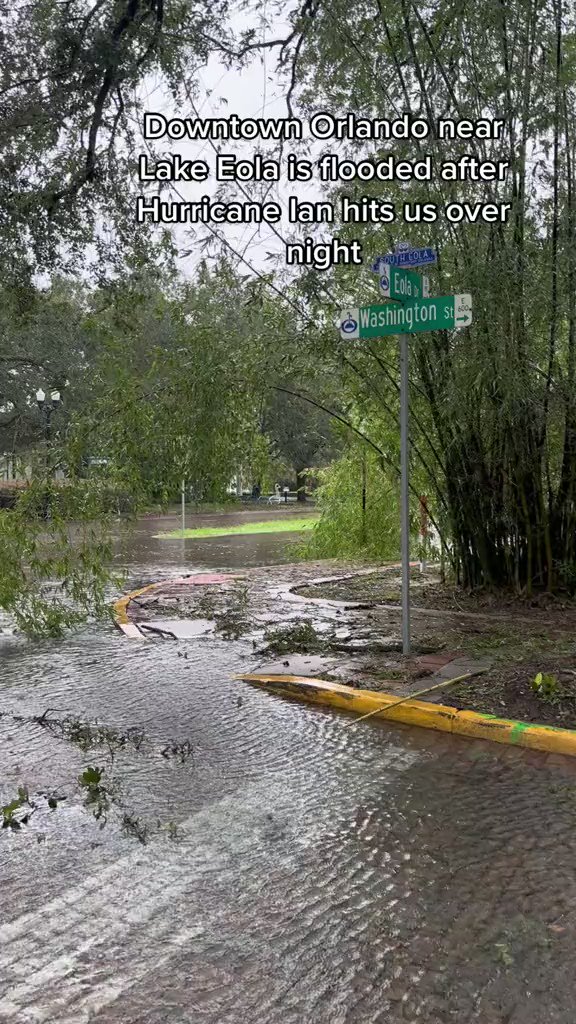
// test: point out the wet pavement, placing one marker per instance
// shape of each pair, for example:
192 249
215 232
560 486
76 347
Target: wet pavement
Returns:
295 871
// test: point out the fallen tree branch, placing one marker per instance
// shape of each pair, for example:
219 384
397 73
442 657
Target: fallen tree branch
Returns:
419 693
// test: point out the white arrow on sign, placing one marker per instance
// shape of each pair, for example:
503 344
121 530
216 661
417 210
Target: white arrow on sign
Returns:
462 310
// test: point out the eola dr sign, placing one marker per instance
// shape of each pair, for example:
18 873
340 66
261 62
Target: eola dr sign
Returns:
403 285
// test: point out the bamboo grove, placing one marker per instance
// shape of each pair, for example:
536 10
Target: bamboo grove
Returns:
494 407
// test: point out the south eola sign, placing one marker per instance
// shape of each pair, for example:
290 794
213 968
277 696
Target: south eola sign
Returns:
445 312
404 258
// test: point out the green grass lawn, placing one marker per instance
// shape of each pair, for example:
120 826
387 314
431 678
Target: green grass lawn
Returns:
269 526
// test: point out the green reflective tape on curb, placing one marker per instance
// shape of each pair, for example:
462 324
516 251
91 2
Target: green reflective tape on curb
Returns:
467 724
516 731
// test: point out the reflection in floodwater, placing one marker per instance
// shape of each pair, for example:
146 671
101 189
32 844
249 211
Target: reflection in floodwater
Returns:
315 874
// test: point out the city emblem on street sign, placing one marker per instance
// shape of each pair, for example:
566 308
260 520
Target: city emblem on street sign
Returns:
349 325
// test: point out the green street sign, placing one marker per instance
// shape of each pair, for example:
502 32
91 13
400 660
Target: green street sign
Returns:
445 312
403 285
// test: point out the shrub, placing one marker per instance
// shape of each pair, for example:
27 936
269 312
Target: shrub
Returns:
345 528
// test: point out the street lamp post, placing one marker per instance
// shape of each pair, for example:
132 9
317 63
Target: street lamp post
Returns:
47 408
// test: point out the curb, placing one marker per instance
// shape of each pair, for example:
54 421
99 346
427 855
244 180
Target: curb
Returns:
120 607
130 629
416 712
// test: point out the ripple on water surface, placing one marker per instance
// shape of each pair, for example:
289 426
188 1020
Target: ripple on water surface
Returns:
324 874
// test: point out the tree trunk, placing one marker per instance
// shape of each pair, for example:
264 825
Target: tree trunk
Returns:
301 484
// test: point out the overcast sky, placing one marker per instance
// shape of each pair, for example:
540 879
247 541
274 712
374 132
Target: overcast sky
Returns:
256 91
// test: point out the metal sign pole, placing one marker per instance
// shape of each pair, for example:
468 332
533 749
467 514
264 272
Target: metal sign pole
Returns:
405 493
183 498
415 311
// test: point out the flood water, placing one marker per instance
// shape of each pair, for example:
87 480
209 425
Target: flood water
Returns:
296 871
142 551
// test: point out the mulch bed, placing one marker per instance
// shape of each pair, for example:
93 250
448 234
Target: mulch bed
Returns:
508 693
383 586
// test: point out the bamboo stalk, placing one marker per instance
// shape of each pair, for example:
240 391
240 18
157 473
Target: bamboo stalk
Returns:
419 693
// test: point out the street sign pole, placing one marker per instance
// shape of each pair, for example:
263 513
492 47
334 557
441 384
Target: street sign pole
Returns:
415 312
405 492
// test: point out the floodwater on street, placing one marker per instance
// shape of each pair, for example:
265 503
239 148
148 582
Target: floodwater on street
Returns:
143 551
295 870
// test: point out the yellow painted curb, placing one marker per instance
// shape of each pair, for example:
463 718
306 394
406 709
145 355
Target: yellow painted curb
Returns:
421 713
120 608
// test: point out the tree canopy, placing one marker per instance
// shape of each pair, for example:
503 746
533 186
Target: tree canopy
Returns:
493 407
165 378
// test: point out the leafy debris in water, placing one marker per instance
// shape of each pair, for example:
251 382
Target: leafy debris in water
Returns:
182 750
232 621
14 813
17 812
87 735
136 827
300 638
99 795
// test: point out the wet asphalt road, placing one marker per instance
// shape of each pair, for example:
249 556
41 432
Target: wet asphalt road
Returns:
318 873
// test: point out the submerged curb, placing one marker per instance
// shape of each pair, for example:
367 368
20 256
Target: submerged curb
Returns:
131 630
416 712
120 609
